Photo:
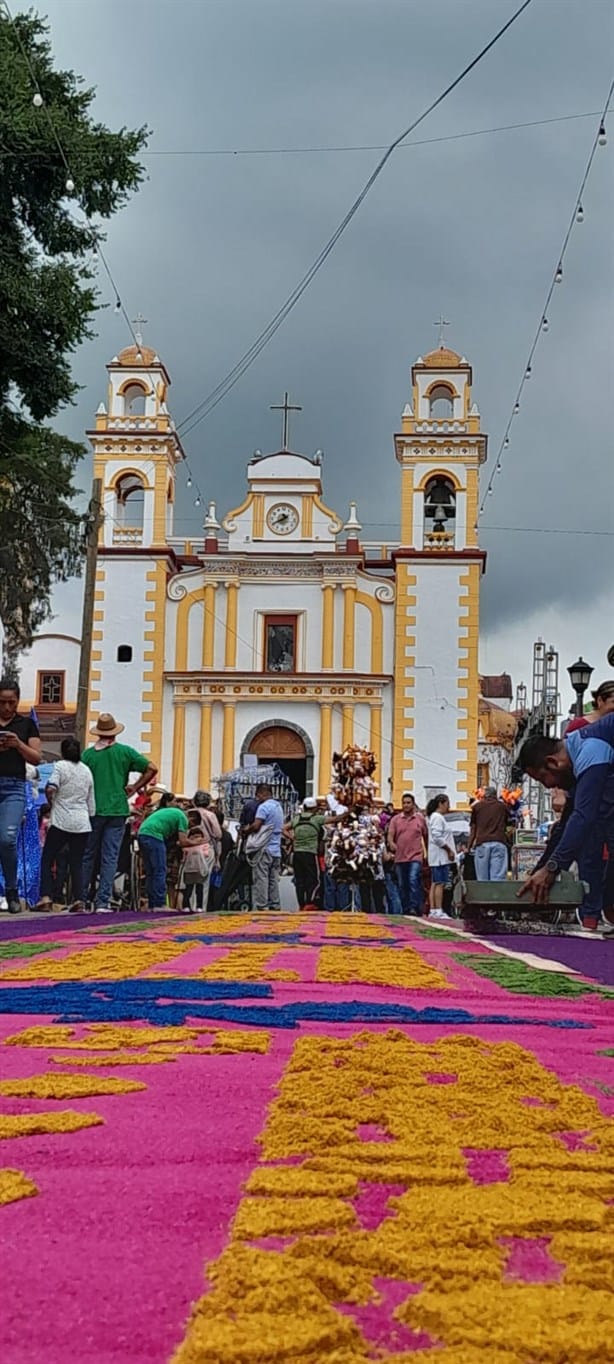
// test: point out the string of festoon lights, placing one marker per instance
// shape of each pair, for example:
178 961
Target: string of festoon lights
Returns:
543 326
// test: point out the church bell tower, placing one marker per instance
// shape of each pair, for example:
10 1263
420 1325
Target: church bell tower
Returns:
439 564
136 452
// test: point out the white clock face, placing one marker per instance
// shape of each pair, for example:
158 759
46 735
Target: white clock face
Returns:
282 519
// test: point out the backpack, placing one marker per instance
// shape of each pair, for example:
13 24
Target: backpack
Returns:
197 864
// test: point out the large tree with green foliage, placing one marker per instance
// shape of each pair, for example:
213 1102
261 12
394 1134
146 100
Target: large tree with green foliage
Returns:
48 296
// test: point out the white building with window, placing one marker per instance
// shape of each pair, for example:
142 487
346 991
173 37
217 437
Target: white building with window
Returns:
279 632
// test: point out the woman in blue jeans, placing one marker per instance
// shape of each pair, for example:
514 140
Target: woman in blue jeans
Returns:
19 744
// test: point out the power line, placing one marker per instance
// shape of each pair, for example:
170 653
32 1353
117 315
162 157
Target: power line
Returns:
207 405
543 326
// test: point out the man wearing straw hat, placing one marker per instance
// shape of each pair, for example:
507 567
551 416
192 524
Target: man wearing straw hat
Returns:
110 764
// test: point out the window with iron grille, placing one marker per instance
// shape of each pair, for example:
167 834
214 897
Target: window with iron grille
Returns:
51 689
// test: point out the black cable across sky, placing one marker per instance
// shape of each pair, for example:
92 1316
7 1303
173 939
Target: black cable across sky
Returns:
206 406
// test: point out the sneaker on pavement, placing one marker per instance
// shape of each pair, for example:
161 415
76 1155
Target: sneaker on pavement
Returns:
104 909
14 903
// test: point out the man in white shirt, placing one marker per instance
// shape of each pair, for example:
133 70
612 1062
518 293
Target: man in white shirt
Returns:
266 862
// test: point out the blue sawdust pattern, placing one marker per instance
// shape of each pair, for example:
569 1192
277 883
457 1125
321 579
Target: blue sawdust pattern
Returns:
174 1001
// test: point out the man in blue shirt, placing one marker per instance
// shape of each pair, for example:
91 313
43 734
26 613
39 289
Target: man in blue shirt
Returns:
582 763
266 862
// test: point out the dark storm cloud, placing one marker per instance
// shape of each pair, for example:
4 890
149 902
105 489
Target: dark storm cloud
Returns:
212 245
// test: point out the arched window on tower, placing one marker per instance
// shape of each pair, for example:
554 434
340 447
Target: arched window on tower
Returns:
130 500
441 402
439 512
134 400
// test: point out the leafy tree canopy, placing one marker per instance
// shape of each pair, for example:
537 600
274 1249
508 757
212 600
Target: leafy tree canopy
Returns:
48 298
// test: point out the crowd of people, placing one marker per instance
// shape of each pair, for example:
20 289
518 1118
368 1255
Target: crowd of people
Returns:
342 850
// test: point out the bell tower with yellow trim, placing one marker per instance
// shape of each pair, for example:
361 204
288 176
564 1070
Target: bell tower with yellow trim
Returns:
439 564
136 451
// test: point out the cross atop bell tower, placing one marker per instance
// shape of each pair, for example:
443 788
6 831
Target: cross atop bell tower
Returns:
442 324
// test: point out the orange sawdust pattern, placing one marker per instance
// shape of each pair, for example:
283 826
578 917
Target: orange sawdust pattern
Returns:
15 1185
151 1045
402 967
108 961
444 1233
67 1086
247 962
30 1124
233 924
355 926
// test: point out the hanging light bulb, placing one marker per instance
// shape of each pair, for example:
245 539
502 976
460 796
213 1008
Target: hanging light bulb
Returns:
70 185
559 273
188 482
602 135
118 305
580 214
528 372
197 501
516 408
499 467
506 442
545 324
37 100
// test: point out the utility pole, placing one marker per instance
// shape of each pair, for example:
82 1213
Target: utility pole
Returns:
95 519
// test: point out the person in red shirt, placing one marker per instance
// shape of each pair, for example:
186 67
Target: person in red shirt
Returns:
407 834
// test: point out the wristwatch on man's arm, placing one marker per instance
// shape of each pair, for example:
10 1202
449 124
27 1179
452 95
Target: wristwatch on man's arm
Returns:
552 866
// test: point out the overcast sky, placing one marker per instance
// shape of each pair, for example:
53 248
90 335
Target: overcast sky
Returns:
211 246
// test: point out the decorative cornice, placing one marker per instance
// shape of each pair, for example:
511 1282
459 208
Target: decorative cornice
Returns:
301 687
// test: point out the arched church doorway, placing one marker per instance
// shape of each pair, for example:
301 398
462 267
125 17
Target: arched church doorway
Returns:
289 747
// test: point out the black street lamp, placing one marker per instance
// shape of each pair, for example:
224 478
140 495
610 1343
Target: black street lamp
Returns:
580 674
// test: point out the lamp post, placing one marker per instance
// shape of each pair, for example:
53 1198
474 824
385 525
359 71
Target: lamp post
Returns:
580 674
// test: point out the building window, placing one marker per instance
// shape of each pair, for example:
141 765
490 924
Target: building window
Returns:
51 689
134 400
483 775
124 653
441 402
130 495
280 644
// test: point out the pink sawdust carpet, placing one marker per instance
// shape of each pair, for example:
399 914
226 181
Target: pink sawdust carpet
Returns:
237 1139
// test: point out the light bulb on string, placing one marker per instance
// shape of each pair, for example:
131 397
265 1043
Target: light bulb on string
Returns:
37 100
489 492
197 501
499 467
118 305
528 372
516 408
506 442
188 482
580 214
602 135
559 273
545 324
70 185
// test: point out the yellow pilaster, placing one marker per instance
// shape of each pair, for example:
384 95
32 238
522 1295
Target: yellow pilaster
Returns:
209 626
404 639
349 626
328 625
326 735
469 625
178 764
228 739
230 643
347 726
375 742
204 756
407 506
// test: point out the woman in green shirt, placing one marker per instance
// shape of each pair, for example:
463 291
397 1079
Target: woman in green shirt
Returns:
167 819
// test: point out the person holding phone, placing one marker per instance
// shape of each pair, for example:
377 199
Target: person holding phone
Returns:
19 744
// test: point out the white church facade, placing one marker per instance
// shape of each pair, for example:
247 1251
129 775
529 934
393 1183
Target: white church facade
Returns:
280 633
